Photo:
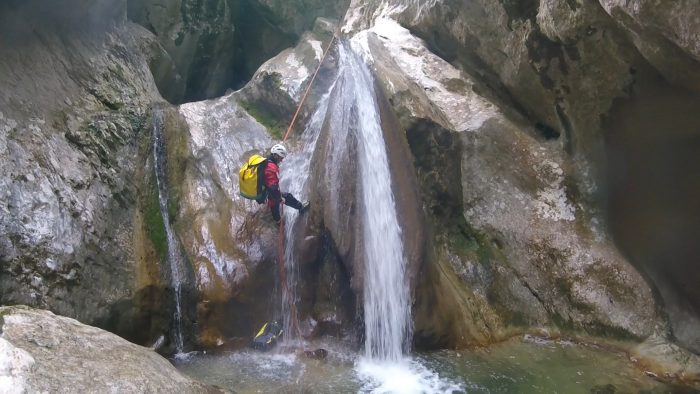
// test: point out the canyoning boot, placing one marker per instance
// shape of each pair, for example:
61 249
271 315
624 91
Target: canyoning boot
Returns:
304 206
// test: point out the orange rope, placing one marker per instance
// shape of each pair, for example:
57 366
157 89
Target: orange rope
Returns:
283 275
308 88
280 252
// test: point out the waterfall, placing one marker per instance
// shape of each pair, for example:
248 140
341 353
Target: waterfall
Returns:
295 175
385 288
354 118
174 257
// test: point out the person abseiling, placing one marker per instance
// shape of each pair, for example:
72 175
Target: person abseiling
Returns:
271 180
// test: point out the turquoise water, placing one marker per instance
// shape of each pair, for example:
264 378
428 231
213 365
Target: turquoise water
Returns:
522 365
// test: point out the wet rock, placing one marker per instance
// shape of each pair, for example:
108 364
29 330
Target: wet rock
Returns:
338 191
530 251
232 243
43 352
665 359
318 354
75 106
332 299
205 48
226 238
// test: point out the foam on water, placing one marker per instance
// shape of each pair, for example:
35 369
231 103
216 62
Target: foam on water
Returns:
405 376
385 289
384 368
295 176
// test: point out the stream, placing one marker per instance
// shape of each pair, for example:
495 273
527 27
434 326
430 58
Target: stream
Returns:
523 365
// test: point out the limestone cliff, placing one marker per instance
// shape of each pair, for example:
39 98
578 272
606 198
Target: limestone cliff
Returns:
75 104
527 103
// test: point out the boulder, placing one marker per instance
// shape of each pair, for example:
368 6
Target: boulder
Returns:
666 34
43 352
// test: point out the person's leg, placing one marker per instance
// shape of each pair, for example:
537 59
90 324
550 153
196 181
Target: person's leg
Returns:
275 208
290 201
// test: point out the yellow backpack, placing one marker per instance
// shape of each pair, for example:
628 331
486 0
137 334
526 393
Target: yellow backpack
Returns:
250 179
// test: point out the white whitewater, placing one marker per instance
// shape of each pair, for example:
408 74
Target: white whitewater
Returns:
386 366
295 175
385 291
351 114
174 258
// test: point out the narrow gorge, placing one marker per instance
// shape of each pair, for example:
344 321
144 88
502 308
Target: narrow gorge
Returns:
503 195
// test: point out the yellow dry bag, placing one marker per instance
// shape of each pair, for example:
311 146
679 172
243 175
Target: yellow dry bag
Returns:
251 178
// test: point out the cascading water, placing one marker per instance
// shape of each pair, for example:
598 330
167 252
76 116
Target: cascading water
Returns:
174 258
295 176
385 291
354 118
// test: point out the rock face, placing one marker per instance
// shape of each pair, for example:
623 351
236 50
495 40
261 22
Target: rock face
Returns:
83 233
191 34
205 48
42 352
76 96
667 35
521 240
555 145
232 243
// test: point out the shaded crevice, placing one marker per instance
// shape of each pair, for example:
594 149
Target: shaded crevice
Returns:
433 147
332 279
651 192
518 10
219 46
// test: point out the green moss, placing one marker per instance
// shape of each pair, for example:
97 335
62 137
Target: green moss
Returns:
155 226
465 241
612 281
606 331
266 118
177 160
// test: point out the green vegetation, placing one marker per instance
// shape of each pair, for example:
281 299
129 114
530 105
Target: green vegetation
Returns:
465 241
177 161
266 118
155 226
